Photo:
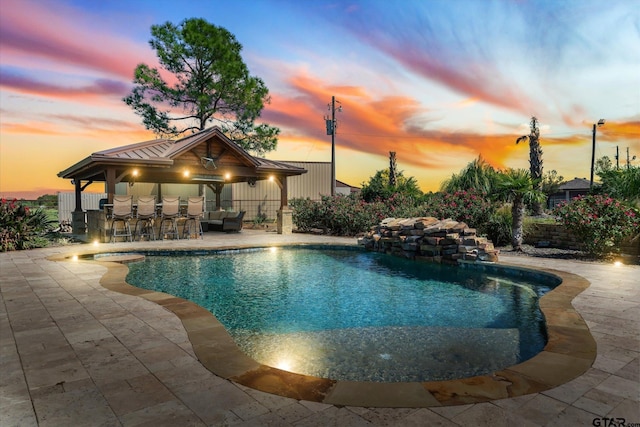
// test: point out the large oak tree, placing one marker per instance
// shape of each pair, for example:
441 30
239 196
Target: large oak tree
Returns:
203 81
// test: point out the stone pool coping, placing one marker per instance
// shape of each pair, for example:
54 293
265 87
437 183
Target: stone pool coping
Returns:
570 352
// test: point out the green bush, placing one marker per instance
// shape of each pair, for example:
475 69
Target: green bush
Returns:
499 227
469 206
346 215
350 215
600 222
21 227
306 214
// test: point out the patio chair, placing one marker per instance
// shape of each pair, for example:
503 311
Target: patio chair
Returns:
195 209
145 215
122 212
169 215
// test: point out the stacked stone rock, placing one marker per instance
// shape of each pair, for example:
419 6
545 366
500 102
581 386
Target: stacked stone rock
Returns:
429 239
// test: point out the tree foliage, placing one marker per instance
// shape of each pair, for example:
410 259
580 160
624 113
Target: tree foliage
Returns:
203 80
378 187
551 182
621 183
478 176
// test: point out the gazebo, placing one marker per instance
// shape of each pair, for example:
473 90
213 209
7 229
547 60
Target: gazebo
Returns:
207 157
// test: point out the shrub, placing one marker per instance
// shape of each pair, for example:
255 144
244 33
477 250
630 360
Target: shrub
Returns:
600 222
350 215
499 227
306 214
21 227
346 215
469 206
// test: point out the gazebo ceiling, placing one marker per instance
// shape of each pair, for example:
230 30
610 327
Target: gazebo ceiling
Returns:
204 157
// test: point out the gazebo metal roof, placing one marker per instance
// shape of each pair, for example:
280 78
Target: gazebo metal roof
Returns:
203 157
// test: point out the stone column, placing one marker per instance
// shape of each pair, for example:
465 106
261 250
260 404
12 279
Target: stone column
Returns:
78 224
285 221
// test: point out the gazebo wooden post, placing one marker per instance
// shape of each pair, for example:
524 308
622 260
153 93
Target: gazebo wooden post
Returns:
111 184
78 220
78 191
285 214
217 190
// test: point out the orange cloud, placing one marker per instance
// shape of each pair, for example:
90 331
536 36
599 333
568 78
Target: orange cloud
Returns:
377 126
81 127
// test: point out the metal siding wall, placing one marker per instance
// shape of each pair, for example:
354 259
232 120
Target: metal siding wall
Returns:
265 196
313 184
225 198
67 203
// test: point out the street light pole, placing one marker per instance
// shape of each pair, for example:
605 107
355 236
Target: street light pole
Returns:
593 149
331 130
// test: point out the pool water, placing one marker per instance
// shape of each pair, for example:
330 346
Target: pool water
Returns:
348 314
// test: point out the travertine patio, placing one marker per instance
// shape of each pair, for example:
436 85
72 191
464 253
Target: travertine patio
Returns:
75 353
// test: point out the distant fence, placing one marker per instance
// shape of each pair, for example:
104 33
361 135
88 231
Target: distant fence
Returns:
254 208
264 208
67 203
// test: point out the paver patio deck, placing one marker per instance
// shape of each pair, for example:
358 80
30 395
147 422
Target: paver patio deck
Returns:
73 352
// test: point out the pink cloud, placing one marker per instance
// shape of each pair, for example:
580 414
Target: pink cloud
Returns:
32 29
99 88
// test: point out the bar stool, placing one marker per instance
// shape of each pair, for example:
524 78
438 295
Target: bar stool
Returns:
122 212
169 215
145 215
195 209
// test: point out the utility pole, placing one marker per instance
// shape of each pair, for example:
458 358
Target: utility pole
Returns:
331 130
617 158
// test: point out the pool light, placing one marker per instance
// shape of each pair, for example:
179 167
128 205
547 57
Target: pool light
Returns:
273 249
96 242
617 263
284 364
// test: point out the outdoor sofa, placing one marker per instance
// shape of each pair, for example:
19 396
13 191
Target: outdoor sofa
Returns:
224 220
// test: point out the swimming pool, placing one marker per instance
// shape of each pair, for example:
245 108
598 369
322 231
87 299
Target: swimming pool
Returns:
347 314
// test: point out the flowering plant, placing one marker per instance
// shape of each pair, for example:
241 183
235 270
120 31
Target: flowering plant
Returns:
350 215
21 227
470 206
600 222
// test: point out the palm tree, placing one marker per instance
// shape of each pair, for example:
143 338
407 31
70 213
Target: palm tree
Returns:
535 159
516 186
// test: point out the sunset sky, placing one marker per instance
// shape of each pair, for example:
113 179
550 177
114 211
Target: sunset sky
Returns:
438 82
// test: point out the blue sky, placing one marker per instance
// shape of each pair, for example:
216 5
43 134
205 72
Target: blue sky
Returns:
439 82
